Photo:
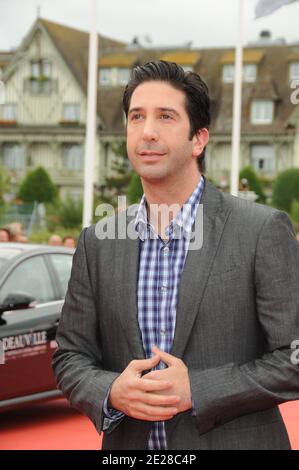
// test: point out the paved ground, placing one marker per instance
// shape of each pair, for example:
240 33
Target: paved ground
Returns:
54 425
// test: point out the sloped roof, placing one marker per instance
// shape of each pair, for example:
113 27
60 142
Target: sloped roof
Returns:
118 60
272 83
5 57
250 56
272 77
73 45
294 55
182 57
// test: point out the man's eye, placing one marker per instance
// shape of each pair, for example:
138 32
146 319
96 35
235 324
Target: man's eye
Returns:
165 116
136 117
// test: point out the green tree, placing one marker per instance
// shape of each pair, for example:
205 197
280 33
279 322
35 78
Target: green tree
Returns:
295 211
286 189
254 183
37 186
135 190
4 184
71 212
118 183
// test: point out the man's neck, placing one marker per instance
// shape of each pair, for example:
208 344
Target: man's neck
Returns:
160 196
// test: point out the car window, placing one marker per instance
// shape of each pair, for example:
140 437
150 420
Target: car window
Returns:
63 265
6 254
31 277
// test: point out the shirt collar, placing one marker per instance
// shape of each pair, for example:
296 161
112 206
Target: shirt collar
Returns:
183 221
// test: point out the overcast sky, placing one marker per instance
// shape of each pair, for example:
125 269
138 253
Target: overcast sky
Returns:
167 22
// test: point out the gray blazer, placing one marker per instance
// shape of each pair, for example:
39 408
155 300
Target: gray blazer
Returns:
237 316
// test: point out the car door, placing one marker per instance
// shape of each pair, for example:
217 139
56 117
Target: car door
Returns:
60 265
27 334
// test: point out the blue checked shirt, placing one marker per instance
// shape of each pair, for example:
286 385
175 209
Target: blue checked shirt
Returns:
160 267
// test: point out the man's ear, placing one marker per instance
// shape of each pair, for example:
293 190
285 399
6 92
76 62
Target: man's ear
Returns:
200 140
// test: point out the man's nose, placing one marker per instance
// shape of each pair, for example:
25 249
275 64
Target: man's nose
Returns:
150 131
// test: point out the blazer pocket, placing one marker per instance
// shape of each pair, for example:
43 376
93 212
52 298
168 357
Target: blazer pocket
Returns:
229 273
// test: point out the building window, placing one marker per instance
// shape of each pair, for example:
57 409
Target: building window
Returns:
40 81
10 112
72 157
76 195
41 68
105 76
14 156
263 159
71 112
123 76
187 68
249 73
262 112
228 73
294 71
35 73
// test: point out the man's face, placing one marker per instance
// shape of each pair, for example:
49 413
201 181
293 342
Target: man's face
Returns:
4 237
158 131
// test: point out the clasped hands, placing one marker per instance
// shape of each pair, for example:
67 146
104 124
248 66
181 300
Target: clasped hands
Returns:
156 396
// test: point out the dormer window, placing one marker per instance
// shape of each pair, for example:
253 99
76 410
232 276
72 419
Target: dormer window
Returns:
228 73
294 71
187 68
123 76
262 112
249 73
105 76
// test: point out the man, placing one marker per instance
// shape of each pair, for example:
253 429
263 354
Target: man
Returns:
5 235
167 342
55 240
69 241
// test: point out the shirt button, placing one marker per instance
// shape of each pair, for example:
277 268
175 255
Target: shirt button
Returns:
164 288
163 332
166 250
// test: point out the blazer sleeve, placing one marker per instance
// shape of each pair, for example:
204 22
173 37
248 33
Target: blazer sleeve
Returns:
77 362
227 392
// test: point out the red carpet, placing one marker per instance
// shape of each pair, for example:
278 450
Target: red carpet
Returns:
54 425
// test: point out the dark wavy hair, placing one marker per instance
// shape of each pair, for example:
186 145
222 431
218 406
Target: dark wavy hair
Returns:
194 88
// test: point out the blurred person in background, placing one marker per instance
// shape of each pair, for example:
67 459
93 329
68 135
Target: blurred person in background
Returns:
5 235
69 241
22 238
55 240
16 230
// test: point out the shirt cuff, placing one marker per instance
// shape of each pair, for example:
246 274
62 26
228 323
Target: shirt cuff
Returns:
111 413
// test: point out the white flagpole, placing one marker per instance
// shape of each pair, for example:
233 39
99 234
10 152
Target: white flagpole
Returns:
90 143
237 106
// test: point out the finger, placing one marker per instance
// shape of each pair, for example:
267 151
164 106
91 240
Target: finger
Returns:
156 411
153 375
152 385
167 358
160 400
145 364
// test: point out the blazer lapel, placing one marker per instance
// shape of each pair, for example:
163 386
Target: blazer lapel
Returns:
127 259
197 267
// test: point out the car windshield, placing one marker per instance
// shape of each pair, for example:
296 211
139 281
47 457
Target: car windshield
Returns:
6 254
